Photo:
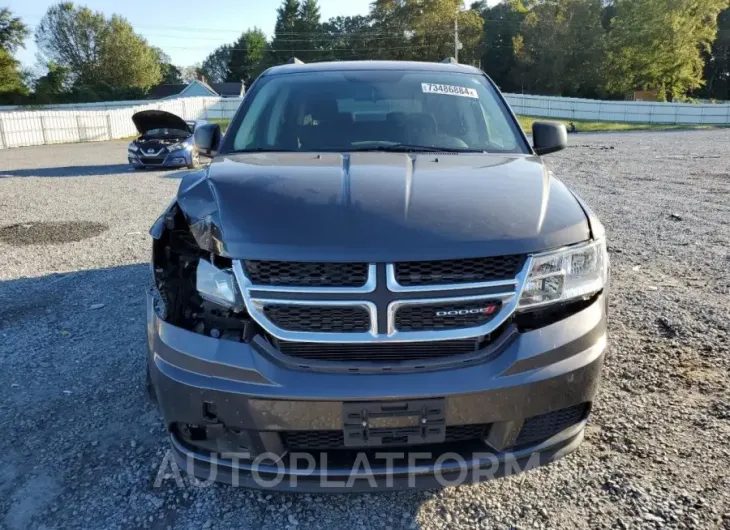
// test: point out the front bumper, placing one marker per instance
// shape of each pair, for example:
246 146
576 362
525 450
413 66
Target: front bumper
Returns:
179 158
251 402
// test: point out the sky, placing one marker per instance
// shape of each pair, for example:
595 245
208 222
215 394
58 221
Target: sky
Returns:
187 30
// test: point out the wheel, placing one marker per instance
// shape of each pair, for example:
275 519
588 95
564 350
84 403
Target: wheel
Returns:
194 159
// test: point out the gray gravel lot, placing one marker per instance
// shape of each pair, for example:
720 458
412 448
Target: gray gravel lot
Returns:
81 445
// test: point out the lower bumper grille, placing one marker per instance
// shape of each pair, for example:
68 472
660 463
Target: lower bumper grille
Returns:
332 440
542 427
379 352
152 160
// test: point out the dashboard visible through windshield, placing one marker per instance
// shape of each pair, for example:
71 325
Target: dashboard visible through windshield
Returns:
376 110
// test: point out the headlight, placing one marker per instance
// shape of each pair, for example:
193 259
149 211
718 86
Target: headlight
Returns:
179 145
218 286
573 272
133 147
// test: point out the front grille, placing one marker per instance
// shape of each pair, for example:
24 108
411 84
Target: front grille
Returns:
415 273
332 440
427 317
305 274
152 159
542 427
335 319
379 352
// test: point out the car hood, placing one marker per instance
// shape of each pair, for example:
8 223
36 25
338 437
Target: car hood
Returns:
157 119
379 206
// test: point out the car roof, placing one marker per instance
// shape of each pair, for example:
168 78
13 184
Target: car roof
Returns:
353 66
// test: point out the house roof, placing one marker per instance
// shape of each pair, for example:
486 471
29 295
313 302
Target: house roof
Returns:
228 89
216 89
164 91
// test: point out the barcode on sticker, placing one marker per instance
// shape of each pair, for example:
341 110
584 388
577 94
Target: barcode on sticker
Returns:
449 90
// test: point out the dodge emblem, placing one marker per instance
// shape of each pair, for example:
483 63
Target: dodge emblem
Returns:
488 310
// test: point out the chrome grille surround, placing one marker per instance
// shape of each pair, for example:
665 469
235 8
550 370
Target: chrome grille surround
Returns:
377 300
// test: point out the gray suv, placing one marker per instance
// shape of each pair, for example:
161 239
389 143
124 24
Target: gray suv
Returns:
375 284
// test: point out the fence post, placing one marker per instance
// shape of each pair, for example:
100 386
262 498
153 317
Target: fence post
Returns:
3 141
727 118
109 125
43 130
78 126
185 109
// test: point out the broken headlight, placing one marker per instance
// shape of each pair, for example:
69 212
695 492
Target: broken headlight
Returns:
218 286
574 272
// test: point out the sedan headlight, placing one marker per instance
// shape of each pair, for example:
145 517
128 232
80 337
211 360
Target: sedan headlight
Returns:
133 147
180 145
573 272
218 286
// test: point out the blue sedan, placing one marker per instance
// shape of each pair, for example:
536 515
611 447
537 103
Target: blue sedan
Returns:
165 141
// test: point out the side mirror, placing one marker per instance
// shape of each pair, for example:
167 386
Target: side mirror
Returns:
207 138
549 137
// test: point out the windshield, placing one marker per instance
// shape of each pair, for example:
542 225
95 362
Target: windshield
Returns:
375 110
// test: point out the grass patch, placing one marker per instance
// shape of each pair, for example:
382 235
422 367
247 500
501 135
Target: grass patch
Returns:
603 126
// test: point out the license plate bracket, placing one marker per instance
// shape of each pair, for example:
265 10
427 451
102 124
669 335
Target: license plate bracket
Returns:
394 423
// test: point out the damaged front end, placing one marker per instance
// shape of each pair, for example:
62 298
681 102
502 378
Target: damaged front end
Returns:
194 286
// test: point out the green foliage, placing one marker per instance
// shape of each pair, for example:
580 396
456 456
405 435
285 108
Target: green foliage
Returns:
12 31
423 30
501 26
12 86
52 87
309 32
248 56
285 32
561 48
171 74
717 62
105 57
659 44
215 66
346 37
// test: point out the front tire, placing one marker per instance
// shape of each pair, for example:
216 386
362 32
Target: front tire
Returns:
194 159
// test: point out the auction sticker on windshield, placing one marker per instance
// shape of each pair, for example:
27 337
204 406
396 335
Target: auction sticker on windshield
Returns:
449 90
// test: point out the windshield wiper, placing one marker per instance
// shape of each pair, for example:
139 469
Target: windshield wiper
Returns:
263 150
408 148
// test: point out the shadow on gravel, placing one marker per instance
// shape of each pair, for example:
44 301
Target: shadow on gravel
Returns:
70 171
81 441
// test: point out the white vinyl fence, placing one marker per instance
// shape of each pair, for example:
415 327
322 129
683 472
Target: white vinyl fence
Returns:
92 122
620 111
81 123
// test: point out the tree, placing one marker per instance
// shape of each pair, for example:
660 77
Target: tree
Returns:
12 31
285 39
171 74
424 30
248 56
346 37
105 57
717 62
215 66
501 26
561 48
659 44
191 73
12 85
309 32
53 87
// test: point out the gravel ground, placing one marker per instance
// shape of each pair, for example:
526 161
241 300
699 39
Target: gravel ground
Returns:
81 445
